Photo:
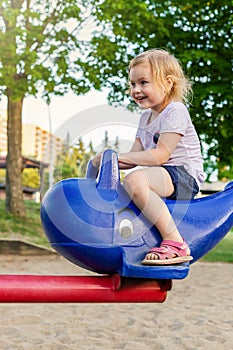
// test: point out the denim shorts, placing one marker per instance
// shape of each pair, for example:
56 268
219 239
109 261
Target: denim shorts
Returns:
185 186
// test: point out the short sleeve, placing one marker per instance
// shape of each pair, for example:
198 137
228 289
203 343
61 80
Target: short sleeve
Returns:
175 119
142 123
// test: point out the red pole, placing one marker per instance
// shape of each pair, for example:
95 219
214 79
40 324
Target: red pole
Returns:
81 289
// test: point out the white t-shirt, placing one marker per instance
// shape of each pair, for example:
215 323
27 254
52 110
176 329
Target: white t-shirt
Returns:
175 118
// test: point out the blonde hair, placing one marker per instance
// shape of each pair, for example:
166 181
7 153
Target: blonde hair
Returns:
164 64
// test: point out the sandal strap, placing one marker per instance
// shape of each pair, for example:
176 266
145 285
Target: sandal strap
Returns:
170 248
170 243
175 244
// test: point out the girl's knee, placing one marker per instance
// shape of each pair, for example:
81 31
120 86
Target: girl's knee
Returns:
134 183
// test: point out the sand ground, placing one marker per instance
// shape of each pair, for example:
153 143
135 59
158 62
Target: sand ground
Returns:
198 314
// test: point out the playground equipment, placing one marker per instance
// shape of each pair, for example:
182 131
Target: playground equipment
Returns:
93 223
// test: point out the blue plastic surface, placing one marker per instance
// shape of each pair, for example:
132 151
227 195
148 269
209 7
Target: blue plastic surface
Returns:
93 223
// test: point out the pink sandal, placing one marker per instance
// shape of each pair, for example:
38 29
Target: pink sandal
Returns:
169 252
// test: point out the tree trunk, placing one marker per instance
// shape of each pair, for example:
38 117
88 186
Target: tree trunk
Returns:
14 189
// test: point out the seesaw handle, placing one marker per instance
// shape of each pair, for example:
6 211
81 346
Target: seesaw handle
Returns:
108 168
108 178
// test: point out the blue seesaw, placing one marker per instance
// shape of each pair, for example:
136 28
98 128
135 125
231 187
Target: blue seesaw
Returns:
93 223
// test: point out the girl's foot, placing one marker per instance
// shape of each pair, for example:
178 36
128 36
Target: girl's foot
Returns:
169 252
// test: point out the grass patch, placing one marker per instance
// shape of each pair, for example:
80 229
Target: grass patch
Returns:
223 251
28 228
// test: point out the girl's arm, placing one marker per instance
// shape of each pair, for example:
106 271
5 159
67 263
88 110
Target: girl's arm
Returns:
166 145
136 147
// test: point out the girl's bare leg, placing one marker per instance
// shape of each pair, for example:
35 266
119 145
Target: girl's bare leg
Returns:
146 187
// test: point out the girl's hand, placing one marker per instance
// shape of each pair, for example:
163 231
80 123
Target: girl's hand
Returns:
123 162
96 160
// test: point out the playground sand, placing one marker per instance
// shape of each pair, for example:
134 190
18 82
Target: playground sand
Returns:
198 314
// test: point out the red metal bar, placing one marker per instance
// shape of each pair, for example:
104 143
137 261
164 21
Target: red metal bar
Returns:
81 289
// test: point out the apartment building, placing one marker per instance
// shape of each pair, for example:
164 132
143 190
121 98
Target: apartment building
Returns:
40 144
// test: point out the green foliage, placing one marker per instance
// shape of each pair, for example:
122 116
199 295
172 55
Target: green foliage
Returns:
30 178
80 151
198 33
2 175
69 161
40 42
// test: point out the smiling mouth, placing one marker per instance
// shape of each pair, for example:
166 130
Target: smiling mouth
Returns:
140 98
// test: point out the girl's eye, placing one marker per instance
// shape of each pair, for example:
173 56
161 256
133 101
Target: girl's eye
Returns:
132 84
144 82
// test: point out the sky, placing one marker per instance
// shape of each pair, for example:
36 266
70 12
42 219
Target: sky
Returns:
36 110
87 116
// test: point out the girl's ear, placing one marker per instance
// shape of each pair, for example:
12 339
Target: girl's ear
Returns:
170 81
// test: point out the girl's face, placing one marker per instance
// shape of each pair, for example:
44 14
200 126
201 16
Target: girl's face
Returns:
145 91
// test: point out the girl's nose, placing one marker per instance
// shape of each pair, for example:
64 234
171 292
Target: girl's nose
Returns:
137 88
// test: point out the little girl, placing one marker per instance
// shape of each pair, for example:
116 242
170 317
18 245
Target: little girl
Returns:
166 145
